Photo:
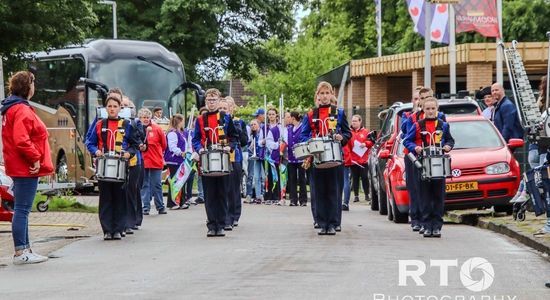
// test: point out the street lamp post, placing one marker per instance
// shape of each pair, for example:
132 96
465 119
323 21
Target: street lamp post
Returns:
113 4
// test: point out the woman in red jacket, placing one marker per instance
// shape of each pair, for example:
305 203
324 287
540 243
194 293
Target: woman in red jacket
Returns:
26 156
358 146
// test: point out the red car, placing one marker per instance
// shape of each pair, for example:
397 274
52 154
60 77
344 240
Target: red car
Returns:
484 171
6 197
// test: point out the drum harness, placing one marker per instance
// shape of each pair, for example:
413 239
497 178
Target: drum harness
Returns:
329 124
332 121
218 132
115 141
431 142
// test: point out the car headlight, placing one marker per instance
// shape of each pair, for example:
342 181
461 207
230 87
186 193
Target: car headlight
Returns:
498 168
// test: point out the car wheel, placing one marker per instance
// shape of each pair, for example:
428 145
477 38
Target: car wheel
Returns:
373 196
382 202
399 217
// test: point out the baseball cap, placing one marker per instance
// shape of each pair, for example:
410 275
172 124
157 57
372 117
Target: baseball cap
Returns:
259 111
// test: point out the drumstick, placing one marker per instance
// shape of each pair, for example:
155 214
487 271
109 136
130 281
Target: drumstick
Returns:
356 163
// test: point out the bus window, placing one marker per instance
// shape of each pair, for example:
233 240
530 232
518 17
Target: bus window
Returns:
56 86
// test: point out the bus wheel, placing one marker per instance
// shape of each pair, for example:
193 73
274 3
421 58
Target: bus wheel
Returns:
62 170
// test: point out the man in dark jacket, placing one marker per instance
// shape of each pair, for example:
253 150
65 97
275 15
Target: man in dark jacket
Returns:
505 115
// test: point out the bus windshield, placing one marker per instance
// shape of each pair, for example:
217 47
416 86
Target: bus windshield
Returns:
146 84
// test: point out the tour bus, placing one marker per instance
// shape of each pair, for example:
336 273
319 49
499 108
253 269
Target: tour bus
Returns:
149 74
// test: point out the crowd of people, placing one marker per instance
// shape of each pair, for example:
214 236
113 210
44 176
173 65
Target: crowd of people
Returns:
261 148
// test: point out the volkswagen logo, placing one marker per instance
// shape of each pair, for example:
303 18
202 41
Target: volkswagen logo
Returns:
456 172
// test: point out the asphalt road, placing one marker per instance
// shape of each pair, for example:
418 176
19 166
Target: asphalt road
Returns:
276 254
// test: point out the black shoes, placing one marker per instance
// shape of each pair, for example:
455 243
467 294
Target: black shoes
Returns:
338 228
345 207
211 233
117 236
416 228
331 231
316 226
427 233
235 223
421 231
323 231
547 285
303 204
162 211
145 212
220 232
228 227
436 233
356 199
199 200
135 227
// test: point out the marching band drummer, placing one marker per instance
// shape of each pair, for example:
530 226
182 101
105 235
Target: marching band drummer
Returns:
234 207
324 188
112 204
411 173
216 189
296 173
431 191
408 120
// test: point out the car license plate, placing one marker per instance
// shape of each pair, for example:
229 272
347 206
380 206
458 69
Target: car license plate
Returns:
461 186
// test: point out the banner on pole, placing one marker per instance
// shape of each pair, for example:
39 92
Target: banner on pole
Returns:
440 19
477 15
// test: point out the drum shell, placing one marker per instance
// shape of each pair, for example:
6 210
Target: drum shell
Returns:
301 150
436 167
215 163
112 169
316 145
331 156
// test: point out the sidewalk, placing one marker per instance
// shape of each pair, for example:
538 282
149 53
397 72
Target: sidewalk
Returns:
50 231
523 231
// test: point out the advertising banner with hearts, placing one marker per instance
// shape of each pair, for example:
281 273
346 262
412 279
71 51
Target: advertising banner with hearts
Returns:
477 15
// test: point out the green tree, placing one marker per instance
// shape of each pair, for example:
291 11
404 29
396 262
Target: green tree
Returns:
216 36
30 25
306 58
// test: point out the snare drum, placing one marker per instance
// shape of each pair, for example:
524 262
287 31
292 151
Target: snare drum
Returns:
330 157
111 168
316 145
436 167
301 150
215 163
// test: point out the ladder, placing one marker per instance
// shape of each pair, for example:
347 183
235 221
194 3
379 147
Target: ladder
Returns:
528 110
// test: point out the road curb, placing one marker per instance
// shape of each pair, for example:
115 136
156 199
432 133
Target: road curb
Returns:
476 219
522 238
